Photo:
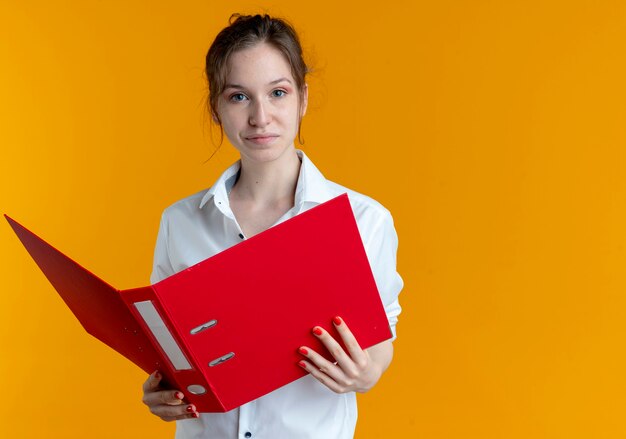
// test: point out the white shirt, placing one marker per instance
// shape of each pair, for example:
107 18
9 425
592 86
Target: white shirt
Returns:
202 225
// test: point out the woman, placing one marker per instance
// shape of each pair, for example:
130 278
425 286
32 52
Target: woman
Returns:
258 95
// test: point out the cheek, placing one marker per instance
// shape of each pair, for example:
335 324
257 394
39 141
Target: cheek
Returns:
289 112
231 118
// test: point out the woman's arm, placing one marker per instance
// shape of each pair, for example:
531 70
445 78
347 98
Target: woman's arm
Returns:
357 369
167 404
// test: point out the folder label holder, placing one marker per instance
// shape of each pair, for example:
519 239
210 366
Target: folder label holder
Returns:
162 334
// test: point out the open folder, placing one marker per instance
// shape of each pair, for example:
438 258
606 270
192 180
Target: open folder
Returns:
226 330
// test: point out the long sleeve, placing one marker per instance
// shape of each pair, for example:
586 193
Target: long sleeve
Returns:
381 246
162 266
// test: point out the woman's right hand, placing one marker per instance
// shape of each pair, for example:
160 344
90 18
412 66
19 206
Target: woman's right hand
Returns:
166 404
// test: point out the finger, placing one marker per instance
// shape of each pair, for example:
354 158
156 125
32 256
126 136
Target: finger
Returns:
168 412
355 351
335 350
163 397
321 377
153 381
324 366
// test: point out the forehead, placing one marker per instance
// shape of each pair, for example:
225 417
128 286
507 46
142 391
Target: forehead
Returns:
261 63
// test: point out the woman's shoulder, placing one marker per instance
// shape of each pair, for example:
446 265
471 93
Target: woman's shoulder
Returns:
185 206
365 208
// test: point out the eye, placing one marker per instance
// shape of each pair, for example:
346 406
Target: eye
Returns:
238 97
278 93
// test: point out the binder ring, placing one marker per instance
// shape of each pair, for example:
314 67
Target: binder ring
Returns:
221 359
203 326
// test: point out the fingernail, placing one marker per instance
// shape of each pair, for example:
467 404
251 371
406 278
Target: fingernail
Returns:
317 331
196 415
303 351
157 375
302 364
179 395
337 320
191 408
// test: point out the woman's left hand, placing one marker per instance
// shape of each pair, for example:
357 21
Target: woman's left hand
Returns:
356 370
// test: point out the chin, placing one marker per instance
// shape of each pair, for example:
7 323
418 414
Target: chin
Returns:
265 153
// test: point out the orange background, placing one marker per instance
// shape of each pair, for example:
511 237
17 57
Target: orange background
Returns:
493 131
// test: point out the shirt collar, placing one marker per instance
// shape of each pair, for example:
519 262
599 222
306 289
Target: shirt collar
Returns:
311 187
220 189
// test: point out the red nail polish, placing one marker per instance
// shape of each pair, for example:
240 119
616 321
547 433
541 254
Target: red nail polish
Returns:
303 351
179 395
302 364
191 408
157 375
196 415
337 320
317 331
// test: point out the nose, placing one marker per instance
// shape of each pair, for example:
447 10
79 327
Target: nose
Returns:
259 114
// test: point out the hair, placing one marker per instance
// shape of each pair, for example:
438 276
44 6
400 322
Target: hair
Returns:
245 31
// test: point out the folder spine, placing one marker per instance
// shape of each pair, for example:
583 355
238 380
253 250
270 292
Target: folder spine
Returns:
194 384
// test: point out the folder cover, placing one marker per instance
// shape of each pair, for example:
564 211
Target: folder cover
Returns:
226 330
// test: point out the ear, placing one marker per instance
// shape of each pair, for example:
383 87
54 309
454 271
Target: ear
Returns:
215 118
305 99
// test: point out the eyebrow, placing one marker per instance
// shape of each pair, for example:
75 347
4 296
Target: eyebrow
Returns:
274 82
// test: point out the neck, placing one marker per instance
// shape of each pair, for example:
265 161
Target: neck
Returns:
268 182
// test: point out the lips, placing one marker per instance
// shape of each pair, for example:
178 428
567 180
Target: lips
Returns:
262 138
